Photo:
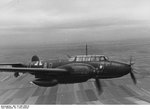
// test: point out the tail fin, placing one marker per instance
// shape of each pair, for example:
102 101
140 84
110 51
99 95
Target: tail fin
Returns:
35 58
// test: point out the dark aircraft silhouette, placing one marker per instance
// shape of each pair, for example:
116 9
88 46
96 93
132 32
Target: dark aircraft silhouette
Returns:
76 69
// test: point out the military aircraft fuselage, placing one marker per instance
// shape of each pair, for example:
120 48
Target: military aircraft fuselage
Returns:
76 69
106 69
80 70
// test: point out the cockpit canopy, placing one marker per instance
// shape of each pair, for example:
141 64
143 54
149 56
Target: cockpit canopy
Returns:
89 58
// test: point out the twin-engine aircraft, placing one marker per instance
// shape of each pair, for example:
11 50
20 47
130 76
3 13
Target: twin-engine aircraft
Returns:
76 69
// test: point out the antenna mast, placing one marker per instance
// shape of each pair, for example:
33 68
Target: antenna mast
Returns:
86 50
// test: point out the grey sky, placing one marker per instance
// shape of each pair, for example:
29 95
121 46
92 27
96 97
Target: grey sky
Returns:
49 21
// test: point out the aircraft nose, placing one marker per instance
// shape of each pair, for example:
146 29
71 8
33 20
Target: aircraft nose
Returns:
124 68
114 69
120 69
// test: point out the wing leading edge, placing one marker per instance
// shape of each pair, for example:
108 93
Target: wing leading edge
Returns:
13 64
51 71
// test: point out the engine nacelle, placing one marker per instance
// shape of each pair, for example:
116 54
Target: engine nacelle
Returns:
45 82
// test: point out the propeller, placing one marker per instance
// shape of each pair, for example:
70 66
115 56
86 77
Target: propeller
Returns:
133 77
131 71
97 82
98 86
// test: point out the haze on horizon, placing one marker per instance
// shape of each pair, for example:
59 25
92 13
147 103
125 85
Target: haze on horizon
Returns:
25 22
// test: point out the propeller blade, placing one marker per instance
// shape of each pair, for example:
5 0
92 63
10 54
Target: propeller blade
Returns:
133 77
131 71
98 85
131 61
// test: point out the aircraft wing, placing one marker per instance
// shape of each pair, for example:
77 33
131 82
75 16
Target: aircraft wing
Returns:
12 64
50 71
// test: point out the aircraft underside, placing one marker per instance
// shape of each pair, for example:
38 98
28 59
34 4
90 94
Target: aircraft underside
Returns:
48 81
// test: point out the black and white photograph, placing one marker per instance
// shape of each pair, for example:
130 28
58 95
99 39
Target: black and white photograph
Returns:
74 52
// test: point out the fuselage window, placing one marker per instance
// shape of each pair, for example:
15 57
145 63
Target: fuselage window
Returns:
92 59
79 59
97 59
102 58
72 59
87 59
106 58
